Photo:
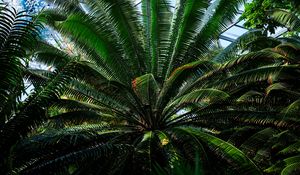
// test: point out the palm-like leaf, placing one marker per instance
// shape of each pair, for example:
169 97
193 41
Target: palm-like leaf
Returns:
18 36
287 19
17 31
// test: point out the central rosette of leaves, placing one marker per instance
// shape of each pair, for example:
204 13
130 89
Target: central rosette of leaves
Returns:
160 106
147 90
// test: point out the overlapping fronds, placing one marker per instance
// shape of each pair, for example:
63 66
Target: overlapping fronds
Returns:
18 36
18 33
232 155
140 88
287 19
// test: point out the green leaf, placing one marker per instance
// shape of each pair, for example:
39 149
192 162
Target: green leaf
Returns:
286 18
291 149
146 88
156 20
217 17
187 18
226 151
237 45
202 96
291 169
82 29
280 166
256 141
292 109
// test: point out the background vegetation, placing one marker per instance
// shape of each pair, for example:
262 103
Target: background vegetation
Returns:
258 13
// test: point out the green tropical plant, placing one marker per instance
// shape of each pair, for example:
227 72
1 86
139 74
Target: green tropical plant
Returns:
18 36
142 89
279 154
276 149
